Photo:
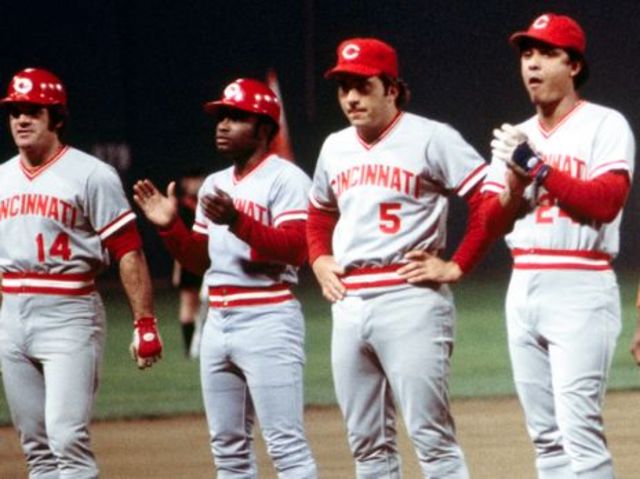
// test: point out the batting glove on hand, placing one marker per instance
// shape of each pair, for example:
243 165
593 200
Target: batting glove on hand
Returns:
146 347
513 147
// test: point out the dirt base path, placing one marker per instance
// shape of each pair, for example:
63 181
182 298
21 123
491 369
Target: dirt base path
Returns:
491 432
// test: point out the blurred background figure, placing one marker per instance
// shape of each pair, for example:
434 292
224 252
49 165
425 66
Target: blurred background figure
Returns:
189 284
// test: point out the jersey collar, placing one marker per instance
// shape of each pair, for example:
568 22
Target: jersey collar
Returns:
383 135
31 173
548 132
237 179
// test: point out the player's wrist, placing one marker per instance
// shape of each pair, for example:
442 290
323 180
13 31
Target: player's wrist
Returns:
530 162
145 321
168 226
456 270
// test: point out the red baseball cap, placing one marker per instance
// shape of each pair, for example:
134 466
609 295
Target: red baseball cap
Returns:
365 57
556 30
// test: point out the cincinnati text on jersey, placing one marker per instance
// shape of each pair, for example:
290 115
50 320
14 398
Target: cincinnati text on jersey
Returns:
34 204
567 164
253 209
391 177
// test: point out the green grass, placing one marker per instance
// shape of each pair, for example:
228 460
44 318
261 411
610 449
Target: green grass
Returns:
480 362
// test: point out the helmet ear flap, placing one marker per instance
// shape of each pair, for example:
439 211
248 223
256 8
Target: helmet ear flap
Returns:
37 86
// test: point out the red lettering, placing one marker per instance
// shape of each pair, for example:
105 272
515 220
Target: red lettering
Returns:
13 208
344 180
41 205
262 214
407 181
383 176
370 174
53 209
395 180
31 204
4 209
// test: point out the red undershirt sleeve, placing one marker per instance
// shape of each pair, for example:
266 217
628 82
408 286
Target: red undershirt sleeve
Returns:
320 226
599 199
476 240
124 240
496 219
283 244
189 248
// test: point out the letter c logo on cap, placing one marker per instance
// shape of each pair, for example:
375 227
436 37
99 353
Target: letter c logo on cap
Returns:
350 51
541 22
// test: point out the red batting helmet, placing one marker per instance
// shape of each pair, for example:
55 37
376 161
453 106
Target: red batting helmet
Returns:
38 86
248 95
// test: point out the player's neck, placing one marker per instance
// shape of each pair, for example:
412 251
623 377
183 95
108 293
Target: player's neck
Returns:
550 114
370 133
33 157
244 164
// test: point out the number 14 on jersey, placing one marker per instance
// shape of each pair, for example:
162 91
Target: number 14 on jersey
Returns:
59 247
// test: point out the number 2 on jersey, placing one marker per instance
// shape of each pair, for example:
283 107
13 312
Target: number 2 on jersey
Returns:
60 247
389 217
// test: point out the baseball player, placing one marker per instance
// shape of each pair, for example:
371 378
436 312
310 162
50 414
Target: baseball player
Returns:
249 236
556 185
376 228
63 216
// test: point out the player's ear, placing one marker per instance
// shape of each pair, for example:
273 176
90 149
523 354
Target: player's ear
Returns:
576 67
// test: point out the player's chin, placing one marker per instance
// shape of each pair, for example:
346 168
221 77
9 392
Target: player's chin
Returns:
357 119
224 145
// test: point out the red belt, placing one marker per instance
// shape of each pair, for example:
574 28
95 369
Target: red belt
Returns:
230 296
70 284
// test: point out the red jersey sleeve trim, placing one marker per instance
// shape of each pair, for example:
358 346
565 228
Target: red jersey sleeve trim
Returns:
321 206
619 165
471 180
200 228
292 215
492 187
116 224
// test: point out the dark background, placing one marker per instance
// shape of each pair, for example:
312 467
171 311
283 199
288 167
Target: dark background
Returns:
138 73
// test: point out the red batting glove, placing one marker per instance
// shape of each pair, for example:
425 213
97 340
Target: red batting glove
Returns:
146 347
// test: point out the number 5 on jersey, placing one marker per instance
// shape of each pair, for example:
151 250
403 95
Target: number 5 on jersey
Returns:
389 217
60 247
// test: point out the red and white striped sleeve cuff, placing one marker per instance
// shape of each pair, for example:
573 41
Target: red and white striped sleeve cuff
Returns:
293 215
618 165
116 224
492 187
471 180
320 205
200 228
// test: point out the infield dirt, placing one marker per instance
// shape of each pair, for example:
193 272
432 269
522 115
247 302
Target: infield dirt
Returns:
491 431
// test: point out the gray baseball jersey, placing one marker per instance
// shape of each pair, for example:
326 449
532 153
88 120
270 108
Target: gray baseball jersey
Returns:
273 193
52 224
563 302
389 338
393 196
547 227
